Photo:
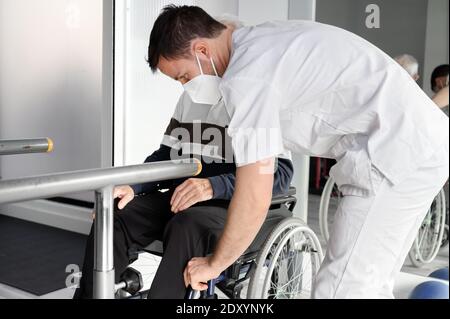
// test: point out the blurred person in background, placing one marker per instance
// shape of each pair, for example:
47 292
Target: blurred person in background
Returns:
439 85
410 64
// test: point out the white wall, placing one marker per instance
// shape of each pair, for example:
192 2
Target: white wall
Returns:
144 101
253 12
302 9
51 83
436 44
219 7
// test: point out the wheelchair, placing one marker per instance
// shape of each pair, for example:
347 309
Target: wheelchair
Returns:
284 267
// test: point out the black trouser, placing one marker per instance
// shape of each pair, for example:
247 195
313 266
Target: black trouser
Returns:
192 233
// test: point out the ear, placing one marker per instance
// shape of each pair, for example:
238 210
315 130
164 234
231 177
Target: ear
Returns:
201 48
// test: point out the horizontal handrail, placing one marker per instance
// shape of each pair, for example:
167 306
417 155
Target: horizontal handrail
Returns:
30 188
27 146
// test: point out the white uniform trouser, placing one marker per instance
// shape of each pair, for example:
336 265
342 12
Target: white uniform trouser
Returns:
371 236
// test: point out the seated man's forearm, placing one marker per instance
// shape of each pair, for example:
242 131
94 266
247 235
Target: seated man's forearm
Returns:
246 214
160 155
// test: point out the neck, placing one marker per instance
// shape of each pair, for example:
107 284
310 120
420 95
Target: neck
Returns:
224 45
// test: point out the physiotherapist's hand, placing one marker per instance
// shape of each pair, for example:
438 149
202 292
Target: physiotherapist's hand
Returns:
126 195
191 192
198 272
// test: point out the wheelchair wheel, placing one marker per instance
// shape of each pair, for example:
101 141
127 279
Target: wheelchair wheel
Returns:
329 203
429 238
287 264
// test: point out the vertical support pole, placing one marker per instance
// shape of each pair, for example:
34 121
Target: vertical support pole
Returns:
104 279
301 183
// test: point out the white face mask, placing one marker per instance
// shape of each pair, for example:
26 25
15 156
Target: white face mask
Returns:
204 89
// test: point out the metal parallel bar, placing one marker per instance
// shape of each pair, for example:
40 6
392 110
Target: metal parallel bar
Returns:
104 279
25 189
27 146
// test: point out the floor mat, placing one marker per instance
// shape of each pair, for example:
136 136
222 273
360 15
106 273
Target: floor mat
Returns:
34 257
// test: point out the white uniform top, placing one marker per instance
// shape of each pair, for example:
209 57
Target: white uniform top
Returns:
325 92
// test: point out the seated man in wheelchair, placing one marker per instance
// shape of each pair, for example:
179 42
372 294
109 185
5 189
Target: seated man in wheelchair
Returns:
191 215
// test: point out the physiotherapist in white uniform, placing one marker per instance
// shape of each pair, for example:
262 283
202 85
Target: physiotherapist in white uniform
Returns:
322 91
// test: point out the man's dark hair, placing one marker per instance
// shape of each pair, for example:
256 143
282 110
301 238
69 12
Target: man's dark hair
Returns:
442 70
174 30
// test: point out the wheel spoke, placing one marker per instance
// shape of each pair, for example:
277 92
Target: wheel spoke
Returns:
295 279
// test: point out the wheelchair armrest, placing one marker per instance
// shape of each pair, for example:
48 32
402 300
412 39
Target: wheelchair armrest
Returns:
278 199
